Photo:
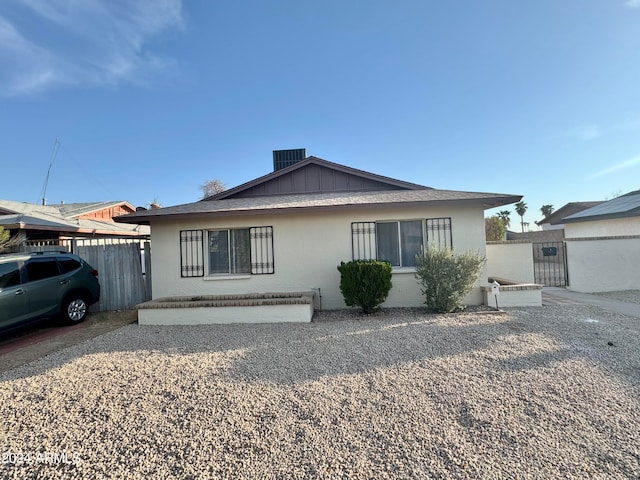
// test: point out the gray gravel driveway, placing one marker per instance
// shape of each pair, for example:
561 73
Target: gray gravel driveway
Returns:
548 392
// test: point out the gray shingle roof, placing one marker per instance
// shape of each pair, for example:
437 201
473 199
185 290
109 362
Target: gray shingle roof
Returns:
569 209
61 218
333 200
627 205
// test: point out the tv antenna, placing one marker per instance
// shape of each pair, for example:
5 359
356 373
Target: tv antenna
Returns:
54 154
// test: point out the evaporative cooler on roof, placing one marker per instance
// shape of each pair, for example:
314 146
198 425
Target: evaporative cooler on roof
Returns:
285 158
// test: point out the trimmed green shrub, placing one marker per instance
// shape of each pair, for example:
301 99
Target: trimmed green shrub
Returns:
365 283
446 278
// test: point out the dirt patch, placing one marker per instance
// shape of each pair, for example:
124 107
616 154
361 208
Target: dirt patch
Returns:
29 345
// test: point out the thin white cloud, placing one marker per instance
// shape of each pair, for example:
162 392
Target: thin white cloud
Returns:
633 3
587 132
84 42
617 167
630 125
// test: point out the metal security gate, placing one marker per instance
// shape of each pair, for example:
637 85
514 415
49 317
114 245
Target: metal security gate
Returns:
550 264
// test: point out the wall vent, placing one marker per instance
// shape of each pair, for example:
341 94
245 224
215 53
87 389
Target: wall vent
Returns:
285 158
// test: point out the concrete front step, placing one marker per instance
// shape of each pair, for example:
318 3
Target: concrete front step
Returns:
514 295
240 308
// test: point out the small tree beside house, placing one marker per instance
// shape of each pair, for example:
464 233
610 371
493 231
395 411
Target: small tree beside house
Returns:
6 241
495 229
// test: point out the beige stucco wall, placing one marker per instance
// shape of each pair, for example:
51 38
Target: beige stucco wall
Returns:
308 246
512 260
603 228
604 265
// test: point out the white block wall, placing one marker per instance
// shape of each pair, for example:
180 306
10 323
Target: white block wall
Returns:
511 259
604 265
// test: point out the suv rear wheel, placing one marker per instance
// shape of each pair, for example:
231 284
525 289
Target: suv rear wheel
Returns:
75 309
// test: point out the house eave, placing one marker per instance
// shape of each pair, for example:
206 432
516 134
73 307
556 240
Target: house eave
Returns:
486 203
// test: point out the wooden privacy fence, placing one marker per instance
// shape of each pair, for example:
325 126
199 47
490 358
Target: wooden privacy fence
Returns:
124 269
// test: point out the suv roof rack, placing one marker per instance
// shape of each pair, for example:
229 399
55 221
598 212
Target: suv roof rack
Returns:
48 251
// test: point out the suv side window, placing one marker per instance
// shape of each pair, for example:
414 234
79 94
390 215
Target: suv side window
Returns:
9 274
38 269
68 265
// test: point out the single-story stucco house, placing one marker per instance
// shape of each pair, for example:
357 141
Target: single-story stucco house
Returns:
288 231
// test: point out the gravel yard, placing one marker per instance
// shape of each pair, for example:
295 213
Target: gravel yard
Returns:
548 392
630 296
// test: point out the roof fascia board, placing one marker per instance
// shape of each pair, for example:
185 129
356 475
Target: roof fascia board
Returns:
495 202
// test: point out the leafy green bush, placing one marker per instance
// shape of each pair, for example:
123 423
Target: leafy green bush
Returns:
446 278
365 283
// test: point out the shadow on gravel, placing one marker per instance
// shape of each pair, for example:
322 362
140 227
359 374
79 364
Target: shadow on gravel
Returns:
518 340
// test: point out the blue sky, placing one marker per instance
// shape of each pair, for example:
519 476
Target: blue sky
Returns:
150 99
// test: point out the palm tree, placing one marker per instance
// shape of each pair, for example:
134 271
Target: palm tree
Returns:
521 209
546 210
504 216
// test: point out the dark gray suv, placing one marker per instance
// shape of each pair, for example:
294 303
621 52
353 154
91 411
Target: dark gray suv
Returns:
45 284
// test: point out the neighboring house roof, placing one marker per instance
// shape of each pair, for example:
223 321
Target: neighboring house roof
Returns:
627 205
64 218
569 209
395 193
65 210
78 209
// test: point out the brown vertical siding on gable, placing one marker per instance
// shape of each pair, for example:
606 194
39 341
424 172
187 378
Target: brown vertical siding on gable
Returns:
106 213
315 179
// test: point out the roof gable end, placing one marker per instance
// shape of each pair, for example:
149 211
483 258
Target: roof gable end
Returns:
315 175
82 210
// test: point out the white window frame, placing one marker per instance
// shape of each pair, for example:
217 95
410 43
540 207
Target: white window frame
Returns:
399 235
232 252
195 256
365 239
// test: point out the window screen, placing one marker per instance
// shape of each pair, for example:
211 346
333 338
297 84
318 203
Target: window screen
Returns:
388 242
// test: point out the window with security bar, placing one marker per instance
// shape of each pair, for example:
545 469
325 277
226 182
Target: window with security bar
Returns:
261 250
363 240
191 253
398 241
439 232
229 252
